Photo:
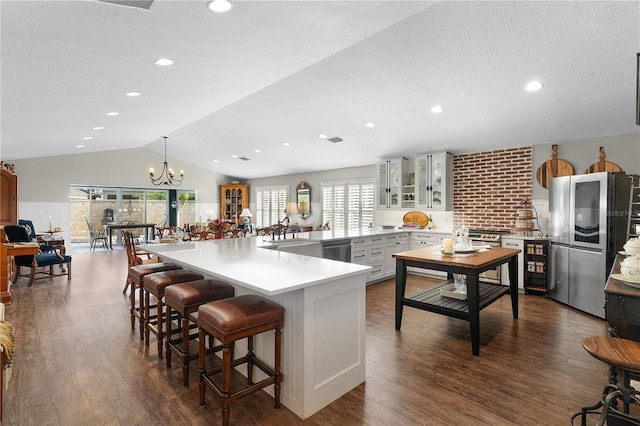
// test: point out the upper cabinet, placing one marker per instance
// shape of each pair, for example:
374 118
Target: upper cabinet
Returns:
233 198
390 182
434 186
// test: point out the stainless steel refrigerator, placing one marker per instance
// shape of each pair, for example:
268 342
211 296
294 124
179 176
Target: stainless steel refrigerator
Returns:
587 227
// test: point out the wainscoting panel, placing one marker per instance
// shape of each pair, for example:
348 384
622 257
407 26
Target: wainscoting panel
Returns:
41 213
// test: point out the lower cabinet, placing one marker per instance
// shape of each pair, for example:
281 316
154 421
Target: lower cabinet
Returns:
427 239
377 252
513 243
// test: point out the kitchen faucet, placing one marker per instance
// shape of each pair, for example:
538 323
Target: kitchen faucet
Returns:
284 231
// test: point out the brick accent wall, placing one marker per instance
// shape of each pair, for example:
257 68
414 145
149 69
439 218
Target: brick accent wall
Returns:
488 187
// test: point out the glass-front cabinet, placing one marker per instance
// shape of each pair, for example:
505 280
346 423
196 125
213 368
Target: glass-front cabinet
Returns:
390 182
233 198
434 186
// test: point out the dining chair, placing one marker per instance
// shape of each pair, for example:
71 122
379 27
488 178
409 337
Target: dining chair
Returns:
96 234
135 256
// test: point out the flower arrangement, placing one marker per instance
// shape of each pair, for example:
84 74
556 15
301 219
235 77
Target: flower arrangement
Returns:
219 227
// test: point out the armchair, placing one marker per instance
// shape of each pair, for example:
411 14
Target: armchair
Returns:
31 230
18 234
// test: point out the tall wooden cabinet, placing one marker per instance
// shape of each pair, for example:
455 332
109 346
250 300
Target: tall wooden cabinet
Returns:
8 195
233 198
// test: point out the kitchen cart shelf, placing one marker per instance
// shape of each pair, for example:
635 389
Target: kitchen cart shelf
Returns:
432 300
536 271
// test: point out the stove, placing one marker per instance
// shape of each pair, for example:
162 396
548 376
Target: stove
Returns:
486 235
490 238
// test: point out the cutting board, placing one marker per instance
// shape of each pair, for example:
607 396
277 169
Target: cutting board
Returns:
603 166
416 217
553 168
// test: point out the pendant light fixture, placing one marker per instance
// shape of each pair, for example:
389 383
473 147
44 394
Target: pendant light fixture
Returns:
167 177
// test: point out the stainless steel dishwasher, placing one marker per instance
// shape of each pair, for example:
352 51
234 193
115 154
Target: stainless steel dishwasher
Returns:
337 250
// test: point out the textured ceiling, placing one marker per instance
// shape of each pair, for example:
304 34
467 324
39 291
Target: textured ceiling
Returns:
267 73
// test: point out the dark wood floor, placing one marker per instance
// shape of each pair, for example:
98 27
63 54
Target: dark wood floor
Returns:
78 363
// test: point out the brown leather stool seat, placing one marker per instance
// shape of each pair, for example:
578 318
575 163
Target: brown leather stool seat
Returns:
155 284
135 276
621 355
233 319
184 299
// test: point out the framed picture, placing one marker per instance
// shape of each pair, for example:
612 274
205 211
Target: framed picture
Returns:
638 91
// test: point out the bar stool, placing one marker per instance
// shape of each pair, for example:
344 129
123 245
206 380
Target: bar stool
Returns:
622 355
155 284
233 319
185 298
135 276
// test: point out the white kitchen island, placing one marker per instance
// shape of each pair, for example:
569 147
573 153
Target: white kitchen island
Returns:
323 338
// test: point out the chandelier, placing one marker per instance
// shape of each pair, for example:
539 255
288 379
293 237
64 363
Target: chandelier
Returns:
166 177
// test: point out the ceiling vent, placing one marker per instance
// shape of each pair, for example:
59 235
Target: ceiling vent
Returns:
335 140
140 4
243 158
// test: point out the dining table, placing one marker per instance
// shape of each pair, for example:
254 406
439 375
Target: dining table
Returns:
116 226
479 294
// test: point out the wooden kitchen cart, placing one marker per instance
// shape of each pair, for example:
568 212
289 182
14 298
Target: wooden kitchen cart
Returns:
233 198
479 295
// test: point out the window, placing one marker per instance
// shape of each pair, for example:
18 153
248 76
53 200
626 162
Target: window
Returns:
348 204
105 205
270 204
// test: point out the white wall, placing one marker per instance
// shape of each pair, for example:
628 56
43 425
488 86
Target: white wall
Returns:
47 179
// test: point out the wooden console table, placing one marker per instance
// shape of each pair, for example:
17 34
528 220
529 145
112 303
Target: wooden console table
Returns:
8 250
479 295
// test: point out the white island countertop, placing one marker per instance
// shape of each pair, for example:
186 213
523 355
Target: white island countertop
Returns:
249 263
324 303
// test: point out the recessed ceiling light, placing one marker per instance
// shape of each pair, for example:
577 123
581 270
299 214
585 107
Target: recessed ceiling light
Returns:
533 86
220 6
79 146
286 144
323 136
436 109
234 156
112 114
88 138
370 124
132 94
258 151
163 62
98 128
215 161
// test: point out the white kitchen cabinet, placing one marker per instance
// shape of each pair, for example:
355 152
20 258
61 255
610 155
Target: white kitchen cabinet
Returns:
377 252
513 243
426 239
390 243
403 242
391 180
433 181
359 251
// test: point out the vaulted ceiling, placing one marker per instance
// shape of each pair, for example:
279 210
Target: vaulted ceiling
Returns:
274 72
